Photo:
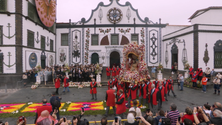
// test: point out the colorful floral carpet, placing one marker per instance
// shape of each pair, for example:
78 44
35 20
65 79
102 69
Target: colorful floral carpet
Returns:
9 108
34 106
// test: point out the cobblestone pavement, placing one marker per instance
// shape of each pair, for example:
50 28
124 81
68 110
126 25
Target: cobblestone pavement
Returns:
188 97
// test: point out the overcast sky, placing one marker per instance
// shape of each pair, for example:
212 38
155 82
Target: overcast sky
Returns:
174 12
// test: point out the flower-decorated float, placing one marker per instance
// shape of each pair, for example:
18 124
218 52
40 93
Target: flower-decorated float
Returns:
134 68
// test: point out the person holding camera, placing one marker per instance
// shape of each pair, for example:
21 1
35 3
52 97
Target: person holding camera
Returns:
66 83
21 120
76 120
57 84
55 103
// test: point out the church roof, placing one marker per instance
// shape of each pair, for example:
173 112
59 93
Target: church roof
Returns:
201 11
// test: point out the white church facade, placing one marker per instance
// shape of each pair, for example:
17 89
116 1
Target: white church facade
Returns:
28 38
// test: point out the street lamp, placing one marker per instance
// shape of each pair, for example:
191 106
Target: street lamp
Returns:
43 57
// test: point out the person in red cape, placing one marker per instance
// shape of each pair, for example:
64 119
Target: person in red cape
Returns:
42 108
153 99
108 72
131 93
114 82
191 71
160 95
93 90
194 79
143 93
200 74
66 84
117 70
110 100
110 82
114 71
156 83
120 85
57 84
165 85
148 87
120 104
170 86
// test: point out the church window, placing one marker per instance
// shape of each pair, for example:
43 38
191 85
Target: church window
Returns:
51 45
95 40
134 38
30 38
1 36
64 39
114 39
218 54
42 42
3 5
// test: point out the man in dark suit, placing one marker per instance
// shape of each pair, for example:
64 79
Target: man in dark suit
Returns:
42 108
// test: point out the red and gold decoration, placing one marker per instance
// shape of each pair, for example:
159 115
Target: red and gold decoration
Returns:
34 106
47 11
87 106
10 108
134 68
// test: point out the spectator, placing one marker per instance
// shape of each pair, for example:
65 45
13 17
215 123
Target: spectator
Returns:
55 103
148 113
2 123
173 114
153 72
42 108
66 83
21 121
76 120
207 73
212 75
216 105
204 83
188 115
217 117
150 120
206 109
181 80
104 121
159 115
131 120
45 119
136 109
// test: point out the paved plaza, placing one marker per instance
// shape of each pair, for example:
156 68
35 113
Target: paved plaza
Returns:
188 97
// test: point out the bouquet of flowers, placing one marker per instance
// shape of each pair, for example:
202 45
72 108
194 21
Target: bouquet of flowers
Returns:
160 67
34 86
186 66
98 71
66 68
99 84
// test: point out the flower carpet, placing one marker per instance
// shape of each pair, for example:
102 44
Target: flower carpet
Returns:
34 106
9 108
87 106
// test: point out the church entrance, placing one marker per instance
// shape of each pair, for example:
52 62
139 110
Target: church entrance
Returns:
114 59
94 58
174 56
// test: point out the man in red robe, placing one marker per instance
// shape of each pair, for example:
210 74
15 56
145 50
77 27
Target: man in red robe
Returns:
110 100
131 93
194 79
120 104
110 83
93 90
153 99
57 84
165 85
114 82
117 70
170 86
191 71
200 74
160 95
143 93
114 71
156 83
66 83
148 86
120 85
108 72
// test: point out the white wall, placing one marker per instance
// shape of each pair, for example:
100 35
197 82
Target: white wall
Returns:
212 16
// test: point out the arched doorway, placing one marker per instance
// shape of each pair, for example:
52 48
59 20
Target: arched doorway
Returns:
174 56
114 59
94 58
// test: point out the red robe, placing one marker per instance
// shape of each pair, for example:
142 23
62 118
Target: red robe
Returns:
121 108
144 89
156 84
165 86
190 71
194 77
162 93
170 86
110 97
109 85
114 82
153 96
120 86
66 84
42 108
108 71
117 71
94 91
113 71
57 83
200 72
132 92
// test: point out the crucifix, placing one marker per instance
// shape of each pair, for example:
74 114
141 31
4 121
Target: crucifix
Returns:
9 37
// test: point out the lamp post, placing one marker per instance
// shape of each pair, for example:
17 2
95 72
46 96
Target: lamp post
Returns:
1 61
